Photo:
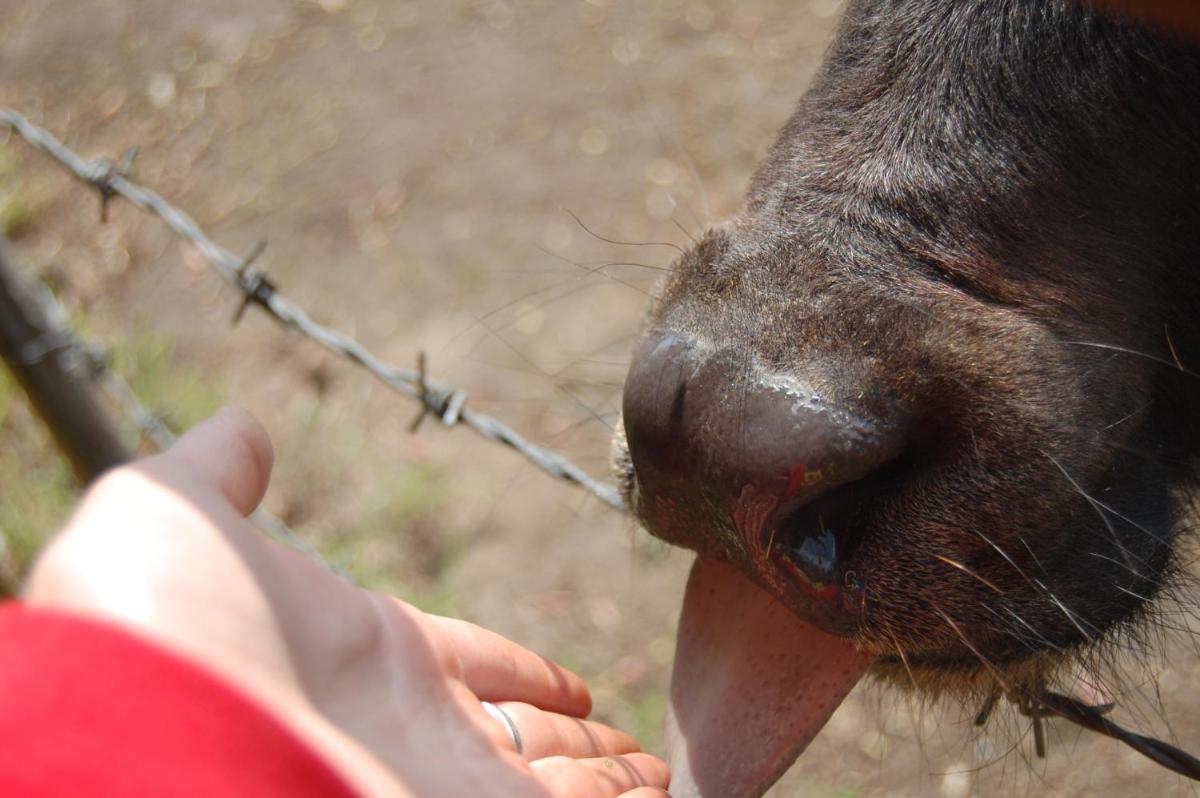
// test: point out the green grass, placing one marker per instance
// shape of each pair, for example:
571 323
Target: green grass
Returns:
16 217
16 212
398 543
36 486
182 395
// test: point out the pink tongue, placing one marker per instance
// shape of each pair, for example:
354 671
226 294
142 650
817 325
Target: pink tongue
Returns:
752 686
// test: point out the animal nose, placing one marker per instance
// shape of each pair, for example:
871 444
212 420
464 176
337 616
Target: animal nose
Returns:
747 463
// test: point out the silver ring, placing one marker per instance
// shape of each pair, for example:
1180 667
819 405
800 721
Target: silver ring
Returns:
507 722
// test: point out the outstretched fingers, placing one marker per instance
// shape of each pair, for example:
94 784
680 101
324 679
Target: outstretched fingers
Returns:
545 734
497 669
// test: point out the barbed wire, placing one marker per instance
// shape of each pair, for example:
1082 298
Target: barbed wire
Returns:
108 177
62 338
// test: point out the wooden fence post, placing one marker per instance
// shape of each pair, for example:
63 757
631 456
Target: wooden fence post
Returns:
54 375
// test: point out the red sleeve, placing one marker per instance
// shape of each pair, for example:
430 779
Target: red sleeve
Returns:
88 709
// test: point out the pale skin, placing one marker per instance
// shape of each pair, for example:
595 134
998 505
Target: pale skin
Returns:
387 694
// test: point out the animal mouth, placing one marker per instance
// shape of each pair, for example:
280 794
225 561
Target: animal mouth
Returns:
766 495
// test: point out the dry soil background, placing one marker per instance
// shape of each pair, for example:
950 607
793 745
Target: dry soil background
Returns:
417 168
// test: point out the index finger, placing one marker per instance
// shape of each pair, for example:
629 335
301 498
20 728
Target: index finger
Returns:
497 669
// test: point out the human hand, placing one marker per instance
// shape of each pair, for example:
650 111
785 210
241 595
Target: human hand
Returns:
388 695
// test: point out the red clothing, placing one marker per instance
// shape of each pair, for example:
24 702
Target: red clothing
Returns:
89 709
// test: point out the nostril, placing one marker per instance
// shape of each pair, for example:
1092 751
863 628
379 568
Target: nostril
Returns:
654 405
723 449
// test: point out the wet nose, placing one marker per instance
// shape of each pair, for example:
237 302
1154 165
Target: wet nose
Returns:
711 431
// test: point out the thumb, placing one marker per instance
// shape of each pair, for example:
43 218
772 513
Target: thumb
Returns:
230 453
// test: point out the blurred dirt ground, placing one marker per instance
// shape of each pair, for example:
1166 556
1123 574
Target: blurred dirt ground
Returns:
442 176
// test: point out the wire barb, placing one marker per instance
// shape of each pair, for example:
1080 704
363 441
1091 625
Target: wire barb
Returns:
448 403
109 169
422 393
256 287
445 403
985 711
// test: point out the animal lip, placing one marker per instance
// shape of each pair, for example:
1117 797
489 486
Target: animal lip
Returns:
752 685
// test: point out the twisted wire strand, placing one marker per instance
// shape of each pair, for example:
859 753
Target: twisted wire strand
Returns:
447 403
1089 717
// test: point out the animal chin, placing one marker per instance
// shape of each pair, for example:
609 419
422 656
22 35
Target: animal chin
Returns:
752 685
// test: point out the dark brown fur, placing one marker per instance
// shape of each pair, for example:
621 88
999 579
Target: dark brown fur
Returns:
979 229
